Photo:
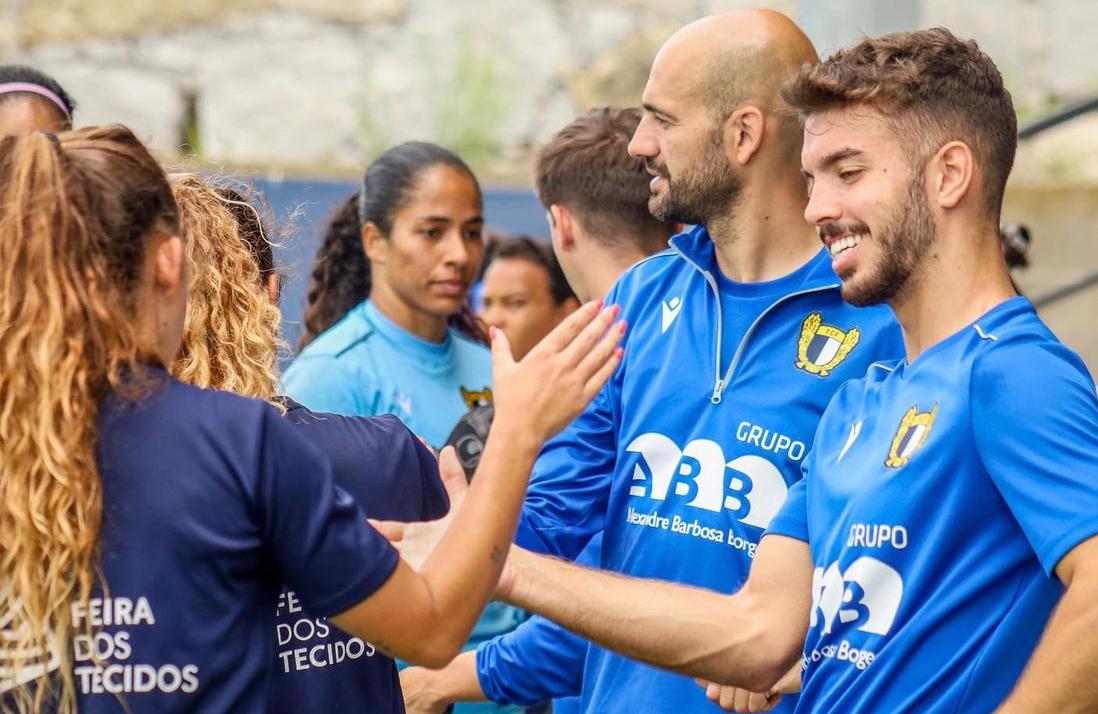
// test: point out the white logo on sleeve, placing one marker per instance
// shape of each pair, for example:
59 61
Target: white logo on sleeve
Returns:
867 595
671 310
749 486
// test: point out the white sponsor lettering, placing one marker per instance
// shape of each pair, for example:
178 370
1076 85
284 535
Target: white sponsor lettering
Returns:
768 440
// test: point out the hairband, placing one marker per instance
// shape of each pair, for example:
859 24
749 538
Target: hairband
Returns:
9 87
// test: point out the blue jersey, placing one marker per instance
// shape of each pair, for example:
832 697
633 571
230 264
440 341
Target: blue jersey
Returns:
391 475
539 660
367 365
938 499
210 503
686 455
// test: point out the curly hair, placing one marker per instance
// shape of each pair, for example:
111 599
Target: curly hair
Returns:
934 88
77 211
230 337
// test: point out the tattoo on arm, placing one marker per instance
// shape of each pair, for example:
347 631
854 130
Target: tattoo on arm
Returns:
497 555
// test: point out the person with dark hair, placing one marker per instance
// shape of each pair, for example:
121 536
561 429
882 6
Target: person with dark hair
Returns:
340 278
525 293
941 552
146 525
404 347
601 227
31 100
596 241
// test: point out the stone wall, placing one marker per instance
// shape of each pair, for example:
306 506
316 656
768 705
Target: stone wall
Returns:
318 86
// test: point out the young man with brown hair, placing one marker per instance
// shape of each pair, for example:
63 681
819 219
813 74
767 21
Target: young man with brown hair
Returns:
600 229
949 508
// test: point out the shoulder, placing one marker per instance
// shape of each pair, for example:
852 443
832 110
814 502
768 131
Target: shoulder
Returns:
1025 359
352 330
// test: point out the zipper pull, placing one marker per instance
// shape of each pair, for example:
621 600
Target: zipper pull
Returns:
716 398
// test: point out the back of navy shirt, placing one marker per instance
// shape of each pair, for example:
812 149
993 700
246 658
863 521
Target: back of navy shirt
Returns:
392 476
210 503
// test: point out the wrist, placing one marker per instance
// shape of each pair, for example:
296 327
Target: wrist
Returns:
514 435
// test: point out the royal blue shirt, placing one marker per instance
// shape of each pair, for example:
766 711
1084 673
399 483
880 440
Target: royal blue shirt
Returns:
938 499
211 502
367 365
392 476
686 455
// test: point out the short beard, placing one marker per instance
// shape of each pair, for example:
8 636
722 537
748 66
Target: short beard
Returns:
706 193
904 242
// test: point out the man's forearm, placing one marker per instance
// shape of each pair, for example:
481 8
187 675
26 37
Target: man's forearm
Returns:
1062 675
742 640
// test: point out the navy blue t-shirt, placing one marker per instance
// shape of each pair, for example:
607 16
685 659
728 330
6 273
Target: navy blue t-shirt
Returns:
393 476
210 503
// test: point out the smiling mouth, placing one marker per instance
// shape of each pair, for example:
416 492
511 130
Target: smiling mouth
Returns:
840 245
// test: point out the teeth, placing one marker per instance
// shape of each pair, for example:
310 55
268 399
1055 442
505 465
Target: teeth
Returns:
845 243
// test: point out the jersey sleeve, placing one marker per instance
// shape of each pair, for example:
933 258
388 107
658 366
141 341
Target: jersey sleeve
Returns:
379 461
1035 423
322 384
792 520
321 544
539 660
570 486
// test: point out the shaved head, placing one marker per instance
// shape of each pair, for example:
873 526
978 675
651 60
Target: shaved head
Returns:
745 57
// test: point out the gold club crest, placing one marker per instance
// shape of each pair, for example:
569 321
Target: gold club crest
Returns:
822 347
912 434
476 397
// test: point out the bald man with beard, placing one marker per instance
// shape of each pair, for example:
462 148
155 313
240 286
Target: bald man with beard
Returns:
738 338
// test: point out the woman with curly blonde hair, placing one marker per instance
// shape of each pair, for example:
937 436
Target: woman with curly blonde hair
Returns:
229 342
146 525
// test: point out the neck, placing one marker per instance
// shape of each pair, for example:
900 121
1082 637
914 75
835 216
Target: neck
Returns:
606 266
961 280
423 325
764 236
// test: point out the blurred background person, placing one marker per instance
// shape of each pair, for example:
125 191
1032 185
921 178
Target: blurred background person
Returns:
31 100
524 292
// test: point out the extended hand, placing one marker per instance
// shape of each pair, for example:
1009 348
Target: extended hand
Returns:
416 541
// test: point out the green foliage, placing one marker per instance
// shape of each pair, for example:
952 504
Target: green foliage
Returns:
473 106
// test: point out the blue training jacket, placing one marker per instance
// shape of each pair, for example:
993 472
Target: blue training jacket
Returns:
689 451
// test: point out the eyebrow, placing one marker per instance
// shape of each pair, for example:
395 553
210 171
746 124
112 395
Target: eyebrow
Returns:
653 109
834 158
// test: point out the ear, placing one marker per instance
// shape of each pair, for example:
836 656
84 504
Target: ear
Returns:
743 134
168 257
951 173
374 243
565 223
274 287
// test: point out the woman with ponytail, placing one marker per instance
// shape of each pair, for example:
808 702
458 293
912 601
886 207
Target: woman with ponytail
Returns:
146 525
395 284
398 288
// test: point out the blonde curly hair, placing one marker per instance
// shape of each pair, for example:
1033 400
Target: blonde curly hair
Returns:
230 338
77 213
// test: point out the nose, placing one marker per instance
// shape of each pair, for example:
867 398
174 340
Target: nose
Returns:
823 206
644 143
456 251
493 315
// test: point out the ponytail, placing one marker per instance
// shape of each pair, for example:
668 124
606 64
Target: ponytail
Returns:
341 274
75 215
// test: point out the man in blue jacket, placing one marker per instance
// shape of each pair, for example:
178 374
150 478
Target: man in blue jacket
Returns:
738 339
940 554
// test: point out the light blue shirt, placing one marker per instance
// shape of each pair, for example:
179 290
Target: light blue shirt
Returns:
367 365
